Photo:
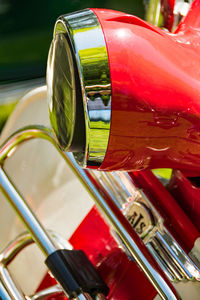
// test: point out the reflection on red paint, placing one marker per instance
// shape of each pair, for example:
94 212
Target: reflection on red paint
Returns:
155 92
124 278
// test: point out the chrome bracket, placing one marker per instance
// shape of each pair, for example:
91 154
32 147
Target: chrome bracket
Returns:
148 224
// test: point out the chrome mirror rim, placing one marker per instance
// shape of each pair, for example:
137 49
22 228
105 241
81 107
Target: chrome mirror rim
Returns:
87 43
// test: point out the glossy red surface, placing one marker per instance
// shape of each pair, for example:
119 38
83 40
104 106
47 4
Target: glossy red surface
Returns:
167 206
155 75
187 196
130 232
124 278
155 123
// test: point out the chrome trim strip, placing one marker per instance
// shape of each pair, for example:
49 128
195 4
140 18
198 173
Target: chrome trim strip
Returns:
177 255
88 44
170 268
175 263
161 262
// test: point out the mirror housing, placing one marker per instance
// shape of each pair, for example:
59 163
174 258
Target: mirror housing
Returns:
133 93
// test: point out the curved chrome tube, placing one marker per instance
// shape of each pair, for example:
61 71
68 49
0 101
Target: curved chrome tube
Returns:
38 233
9 287
9 253
24 240
4 292
120 224
23 135
41 237
51 291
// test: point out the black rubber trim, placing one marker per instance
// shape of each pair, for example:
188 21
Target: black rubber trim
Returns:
75 273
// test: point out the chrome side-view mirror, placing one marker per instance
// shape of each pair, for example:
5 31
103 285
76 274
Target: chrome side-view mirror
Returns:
118 96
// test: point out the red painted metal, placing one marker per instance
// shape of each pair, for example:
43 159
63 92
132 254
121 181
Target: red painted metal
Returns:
130 231
94 237
47 282
167 206
155 119
124 278
187 196
155 123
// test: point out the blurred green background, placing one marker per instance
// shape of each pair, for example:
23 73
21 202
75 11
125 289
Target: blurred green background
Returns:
26 31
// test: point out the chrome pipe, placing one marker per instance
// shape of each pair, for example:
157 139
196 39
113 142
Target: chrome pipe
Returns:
118 221
84 296
39 234
24 240
53 290
23 135
10 252
3 292
41 237
11 286
165 290
15 247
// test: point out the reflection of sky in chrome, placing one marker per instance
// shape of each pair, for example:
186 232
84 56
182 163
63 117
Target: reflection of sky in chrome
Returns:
100 115
81 41
98 104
